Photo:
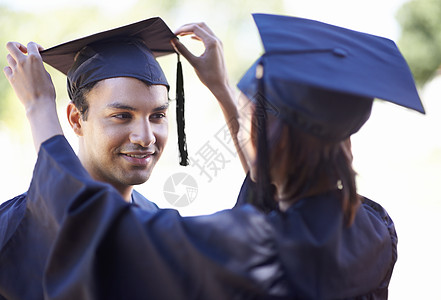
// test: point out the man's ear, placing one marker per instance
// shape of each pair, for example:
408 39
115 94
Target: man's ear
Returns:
75 119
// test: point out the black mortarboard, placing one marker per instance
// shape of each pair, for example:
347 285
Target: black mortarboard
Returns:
323 78
125 51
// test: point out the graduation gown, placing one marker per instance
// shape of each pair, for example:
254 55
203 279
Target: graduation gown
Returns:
107 249
27 231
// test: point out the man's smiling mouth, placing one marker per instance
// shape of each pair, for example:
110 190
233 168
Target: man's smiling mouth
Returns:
137 155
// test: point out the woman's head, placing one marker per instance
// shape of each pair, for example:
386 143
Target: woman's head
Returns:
297 163
303 151
299 141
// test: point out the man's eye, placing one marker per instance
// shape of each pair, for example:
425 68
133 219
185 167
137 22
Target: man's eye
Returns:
122 116
159 115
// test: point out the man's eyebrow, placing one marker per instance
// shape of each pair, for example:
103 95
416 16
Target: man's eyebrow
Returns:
162 107
118 105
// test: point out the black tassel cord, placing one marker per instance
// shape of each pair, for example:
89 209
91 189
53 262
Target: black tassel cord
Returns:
180 116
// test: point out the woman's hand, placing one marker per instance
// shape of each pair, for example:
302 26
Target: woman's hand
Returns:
210 66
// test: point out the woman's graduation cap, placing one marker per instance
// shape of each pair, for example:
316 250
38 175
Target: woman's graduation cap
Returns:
323 78
128 51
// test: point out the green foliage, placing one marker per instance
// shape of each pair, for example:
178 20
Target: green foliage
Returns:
47 28
420 41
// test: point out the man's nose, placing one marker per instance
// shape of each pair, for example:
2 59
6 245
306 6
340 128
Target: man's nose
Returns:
142 134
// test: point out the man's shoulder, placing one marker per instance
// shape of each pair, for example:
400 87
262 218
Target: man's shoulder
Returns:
143 202
13 205
11 214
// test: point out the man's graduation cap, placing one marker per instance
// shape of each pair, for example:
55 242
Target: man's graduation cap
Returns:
323 78
127 51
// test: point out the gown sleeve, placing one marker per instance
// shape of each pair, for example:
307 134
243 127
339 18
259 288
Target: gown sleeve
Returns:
109 249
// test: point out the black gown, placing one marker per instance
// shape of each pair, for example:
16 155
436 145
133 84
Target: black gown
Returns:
27 231
108 249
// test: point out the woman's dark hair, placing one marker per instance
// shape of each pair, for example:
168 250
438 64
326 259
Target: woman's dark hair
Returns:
80 101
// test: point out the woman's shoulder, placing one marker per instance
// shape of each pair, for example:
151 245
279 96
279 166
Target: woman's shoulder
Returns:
376 209
378 215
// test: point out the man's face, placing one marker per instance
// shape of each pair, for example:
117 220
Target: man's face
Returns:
125 131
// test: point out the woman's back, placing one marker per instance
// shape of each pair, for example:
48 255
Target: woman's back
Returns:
323 258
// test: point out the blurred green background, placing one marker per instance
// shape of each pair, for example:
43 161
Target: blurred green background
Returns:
397 153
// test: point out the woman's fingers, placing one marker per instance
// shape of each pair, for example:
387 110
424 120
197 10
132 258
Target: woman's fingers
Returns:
181 49
198 32
16 50
7 71
11 61
34 49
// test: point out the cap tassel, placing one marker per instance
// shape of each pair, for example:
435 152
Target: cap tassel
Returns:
180 117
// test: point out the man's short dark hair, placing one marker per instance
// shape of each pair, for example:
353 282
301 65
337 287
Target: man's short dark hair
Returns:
80 101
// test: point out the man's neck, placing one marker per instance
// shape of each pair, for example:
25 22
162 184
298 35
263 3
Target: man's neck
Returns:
126 192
